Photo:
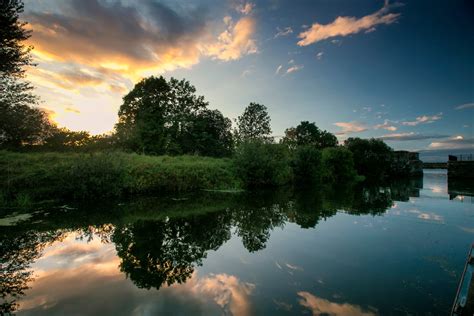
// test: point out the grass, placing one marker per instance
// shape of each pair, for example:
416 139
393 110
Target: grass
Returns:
26 176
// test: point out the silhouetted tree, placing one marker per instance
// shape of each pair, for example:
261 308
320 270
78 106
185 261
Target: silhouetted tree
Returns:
372 157
254 124
307 133
20 123
208 134
14 55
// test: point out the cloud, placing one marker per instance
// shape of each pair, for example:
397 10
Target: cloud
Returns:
283 32
424 119
350 127
386 125
345 25
319 55
235 42
456 142
277 71
228 292
320 306
465 106
294 68
245 8
411 136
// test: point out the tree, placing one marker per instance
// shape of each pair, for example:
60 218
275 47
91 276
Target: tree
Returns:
254 124
167 117
209 134
14 55
307 133
372 157
20 123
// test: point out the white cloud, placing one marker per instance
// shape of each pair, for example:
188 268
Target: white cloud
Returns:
424 119
350 127
245 8
410 136
465 106
294 68
278 69
283 32
346 25
386 125
455 142
319 55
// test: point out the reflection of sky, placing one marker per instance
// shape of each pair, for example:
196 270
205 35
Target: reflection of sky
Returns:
408 259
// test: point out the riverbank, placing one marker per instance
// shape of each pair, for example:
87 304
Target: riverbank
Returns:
33 176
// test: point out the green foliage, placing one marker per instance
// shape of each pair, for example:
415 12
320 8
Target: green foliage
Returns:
372 157
254 124
306 165
167 117
337 165
307 133
261 164
84 176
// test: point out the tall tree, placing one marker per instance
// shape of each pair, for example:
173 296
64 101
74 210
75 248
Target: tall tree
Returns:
167 117
254 124
307 133
20 122
14 54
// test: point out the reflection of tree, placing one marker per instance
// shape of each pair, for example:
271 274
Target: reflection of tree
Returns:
256 215
154 253
17 251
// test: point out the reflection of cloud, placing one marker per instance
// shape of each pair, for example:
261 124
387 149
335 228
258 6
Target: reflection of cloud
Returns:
88 274
346 25
430 217
292 267
228 292
319 306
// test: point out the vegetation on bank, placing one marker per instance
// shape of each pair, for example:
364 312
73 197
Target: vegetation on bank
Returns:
163 140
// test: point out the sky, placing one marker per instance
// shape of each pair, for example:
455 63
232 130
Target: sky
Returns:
400 71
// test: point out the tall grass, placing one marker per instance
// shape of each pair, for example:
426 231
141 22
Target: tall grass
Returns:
82 176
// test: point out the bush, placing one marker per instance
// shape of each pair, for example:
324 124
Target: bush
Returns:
306 165
337 165
372 157
259 164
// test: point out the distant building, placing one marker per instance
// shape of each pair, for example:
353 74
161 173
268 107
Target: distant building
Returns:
406 163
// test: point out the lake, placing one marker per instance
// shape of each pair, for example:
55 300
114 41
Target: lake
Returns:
395 249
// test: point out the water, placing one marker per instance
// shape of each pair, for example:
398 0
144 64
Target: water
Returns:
398 249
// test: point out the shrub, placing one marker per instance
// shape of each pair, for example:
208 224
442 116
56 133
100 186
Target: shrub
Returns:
93 175
337 165
306 165
260 164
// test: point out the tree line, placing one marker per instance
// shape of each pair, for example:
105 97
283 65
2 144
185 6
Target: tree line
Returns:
167 117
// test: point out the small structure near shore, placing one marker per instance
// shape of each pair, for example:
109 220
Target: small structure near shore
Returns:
406 163
461 167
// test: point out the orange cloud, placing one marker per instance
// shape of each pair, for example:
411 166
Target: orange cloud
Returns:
350 127
319 306
235 41
345 25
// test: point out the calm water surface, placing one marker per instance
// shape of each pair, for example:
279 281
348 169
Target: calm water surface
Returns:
389 250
